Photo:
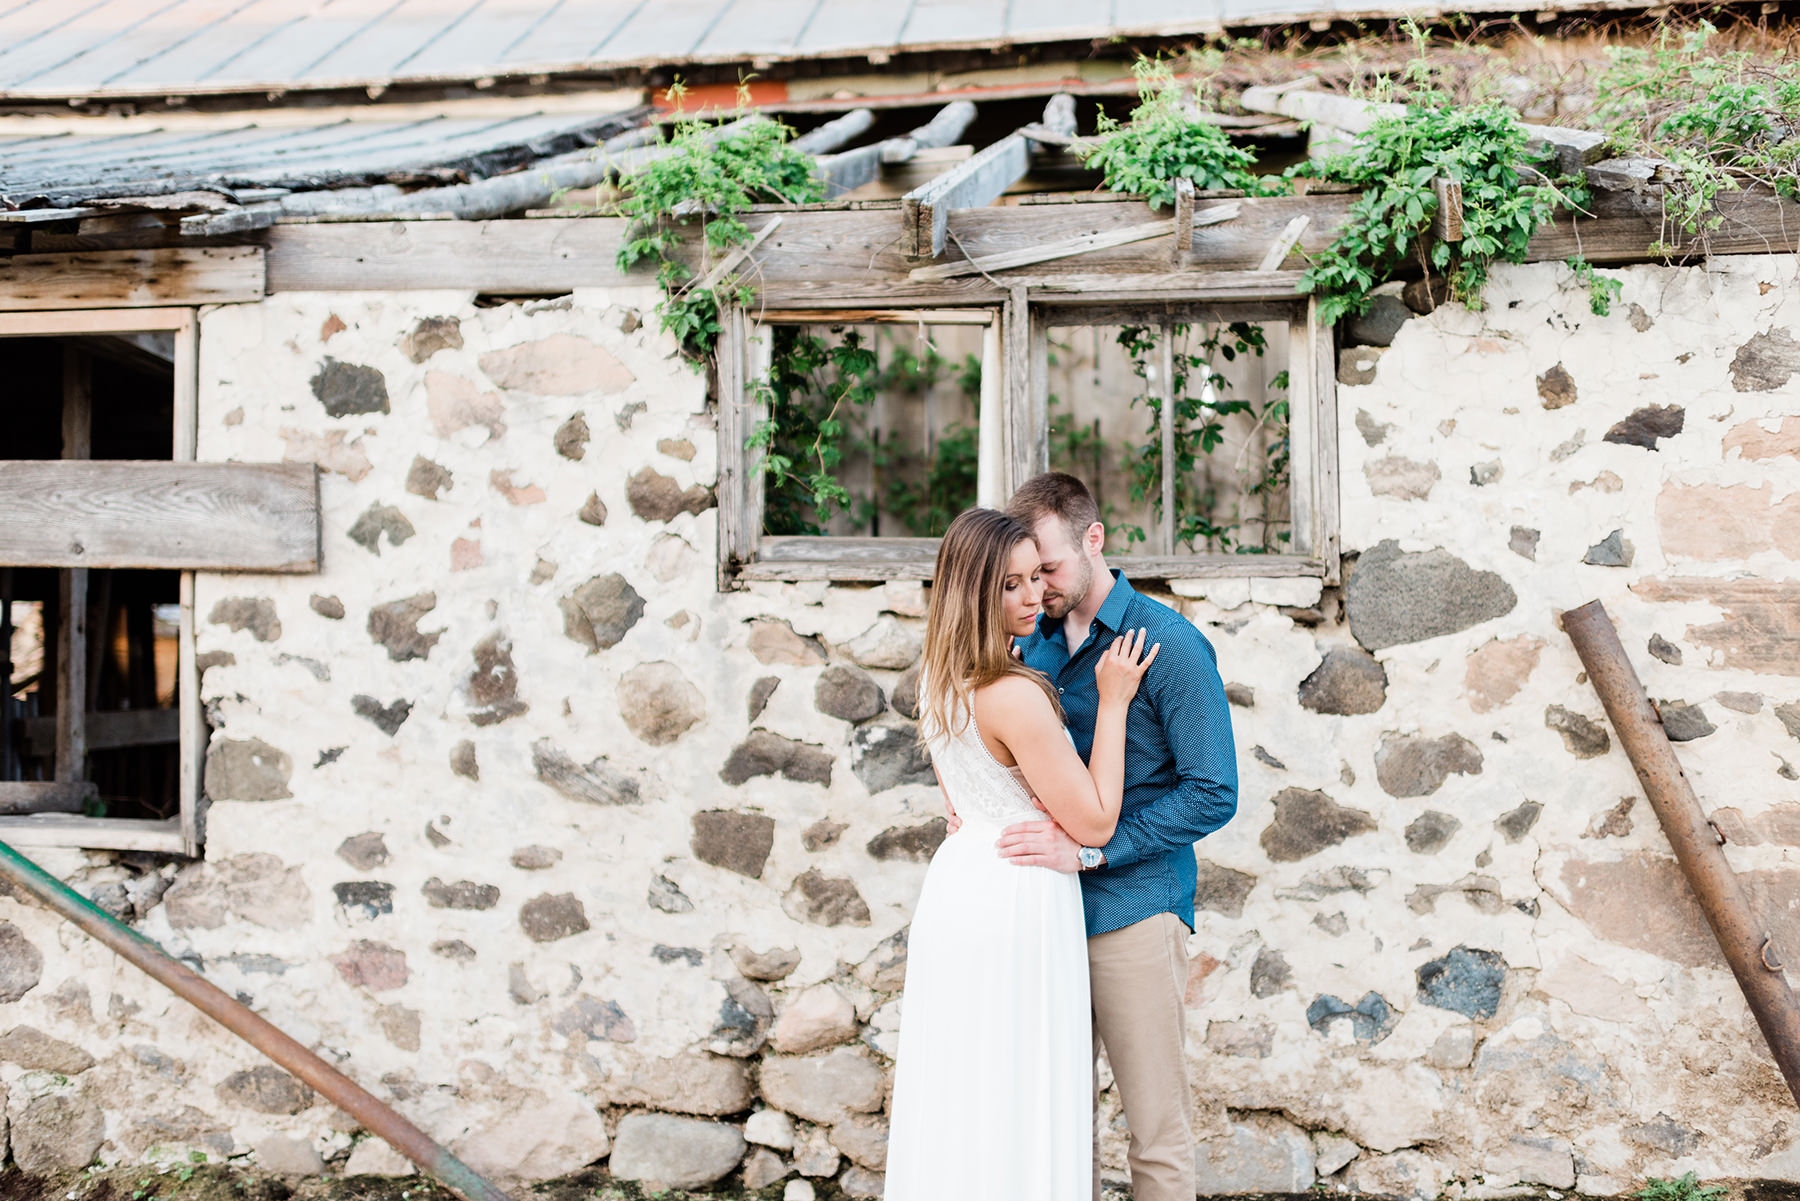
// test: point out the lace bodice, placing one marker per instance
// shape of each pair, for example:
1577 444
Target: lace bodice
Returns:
979 786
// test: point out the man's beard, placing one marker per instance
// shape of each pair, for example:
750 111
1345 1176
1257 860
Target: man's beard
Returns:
1060 606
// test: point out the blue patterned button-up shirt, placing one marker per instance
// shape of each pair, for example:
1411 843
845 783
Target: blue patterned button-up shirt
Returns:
1180 761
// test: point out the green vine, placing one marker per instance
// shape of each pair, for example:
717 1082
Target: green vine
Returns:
1166 139
710 176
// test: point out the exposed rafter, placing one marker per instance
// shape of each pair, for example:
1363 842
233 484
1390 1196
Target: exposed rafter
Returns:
850 170
983 179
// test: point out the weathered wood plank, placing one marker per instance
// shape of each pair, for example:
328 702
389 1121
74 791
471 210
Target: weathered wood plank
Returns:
93 833
192 755
72 585
1184 222
46 796
93 321
108 279
919 566
109 731
981 180
204 516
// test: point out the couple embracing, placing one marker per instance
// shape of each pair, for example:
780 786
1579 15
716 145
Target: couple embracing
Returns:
1049 683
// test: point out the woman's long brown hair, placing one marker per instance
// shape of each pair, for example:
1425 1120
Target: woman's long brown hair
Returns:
966 643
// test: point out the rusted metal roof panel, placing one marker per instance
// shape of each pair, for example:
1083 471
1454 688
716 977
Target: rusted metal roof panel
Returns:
96 48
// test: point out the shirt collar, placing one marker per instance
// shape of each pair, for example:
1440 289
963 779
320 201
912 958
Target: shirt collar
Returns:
1111 615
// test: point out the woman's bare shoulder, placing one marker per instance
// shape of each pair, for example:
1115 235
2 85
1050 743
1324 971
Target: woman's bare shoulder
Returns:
1008 697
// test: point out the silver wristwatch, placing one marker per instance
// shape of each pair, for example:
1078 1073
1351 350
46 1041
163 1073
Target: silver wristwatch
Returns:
1091 858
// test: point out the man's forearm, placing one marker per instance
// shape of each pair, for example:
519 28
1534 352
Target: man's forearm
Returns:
1179 818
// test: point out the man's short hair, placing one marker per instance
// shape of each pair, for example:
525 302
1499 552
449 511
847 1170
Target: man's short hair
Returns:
1055 494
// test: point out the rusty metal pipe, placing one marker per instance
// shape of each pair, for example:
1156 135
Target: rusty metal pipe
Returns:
1742 935
238 1018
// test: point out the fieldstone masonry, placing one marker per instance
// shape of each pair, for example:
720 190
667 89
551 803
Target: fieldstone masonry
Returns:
573 857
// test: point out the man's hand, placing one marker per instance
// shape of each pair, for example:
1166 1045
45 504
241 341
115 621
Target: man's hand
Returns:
950 813
1039 844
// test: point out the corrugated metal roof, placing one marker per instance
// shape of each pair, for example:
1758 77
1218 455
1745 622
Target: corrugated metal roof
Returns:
65 166
96 48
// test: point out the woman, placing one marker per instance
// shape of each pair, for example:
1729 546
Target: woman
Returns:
993 1089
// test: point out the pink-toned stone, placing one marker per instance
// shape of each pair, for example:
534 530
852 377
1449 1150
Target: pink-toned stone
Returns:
455 403
334 324
332 451
1586 989
1406 479
1200 968
1752 441
1606 481
374 966
1778 824
560 365
1760 630
465 552
502 482
1498 670
1713 523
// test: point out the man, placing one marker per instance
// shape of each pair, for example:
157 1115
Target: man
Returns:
1180 785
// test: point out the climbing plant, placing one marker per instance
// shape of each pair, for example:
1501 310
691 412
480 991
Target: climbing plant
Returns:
1167 139
710 176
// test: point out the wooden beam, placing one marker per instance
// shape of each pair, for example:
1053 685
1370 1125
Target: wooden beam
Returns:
835 133
109 731
192 754
1283 245
983 179
197 516
46 796
72 585
93 833
111 279
1184 222
851 170
1042 254
1447 221
93 321
730 262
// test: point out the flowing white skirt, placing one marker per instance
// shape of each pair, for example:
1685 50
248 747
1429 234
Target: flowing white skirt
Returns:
993 1085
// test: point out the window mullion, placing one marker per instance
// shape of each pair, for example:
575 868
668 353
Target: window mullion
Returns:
1167 384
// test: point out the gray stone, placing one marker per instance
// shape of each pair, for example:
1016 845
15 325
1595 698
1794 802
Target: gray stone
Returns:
1555 388
32 1049
328 607
770 1128
1515 824
1481 475
770 965
460 894
395 627
399 1025
599 783
1639 318
426 478
374 898
744 1019
1523 542
1789 717
347 389
532 1137
1262 1154
886 755
253 613
1584 737
1668 652
860 1182
1356 365
594 1018
914 844
593 510
814 1155
376 522
1413 765
373 966
658 703
1766 362
454 949
1221 889
738 842
265 1089
1611 551
60 1132
279 1155
1426 294
1529 1160
1317 885
571 437
601 612
1648 425
1306 822
1740 702
1612 823
847 693
1683 722
463 761
864 1141
1240 1040
1241 695
494 684
1404 479
1334 924
1371 1019
386 718
247 769
655 497
693 1083
1377 324
667 954
766 754
906 693
430 335
1453 1050
1261 755
1347 682
825 901
826 1089
760 692
1466 981
536 858
1373 432
890 643
1270 973
1333 1151
1428 833
1394 597
667 896
762 1167
813 1019
552 916
821 834
774 642
1663 1133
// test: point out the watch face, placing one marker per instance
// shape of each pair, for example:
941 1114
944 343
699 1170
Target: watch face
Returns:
1089 857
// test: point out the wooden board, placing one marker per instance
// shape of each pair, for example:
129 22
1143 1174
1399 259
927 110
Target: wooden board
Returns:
46 796
108 731
204 516
111 279
93 833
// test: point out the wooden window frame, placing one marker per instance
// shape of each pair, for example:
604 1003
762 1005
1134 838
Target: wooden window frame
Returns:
179 834
1021 418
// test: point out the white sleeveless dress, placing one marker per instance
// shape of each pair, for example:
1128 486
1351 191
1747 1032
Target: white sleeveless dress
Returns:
993 1083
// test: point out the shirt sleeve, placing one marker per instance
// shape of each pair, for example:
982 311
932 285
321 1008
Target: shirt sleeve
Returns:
1189 699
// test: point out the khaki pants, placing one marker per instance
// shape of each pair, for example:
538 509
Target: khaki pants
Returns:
1137 977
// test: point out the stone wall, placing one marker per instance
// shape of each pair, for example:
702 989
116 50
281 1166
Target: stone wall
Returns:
572 856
